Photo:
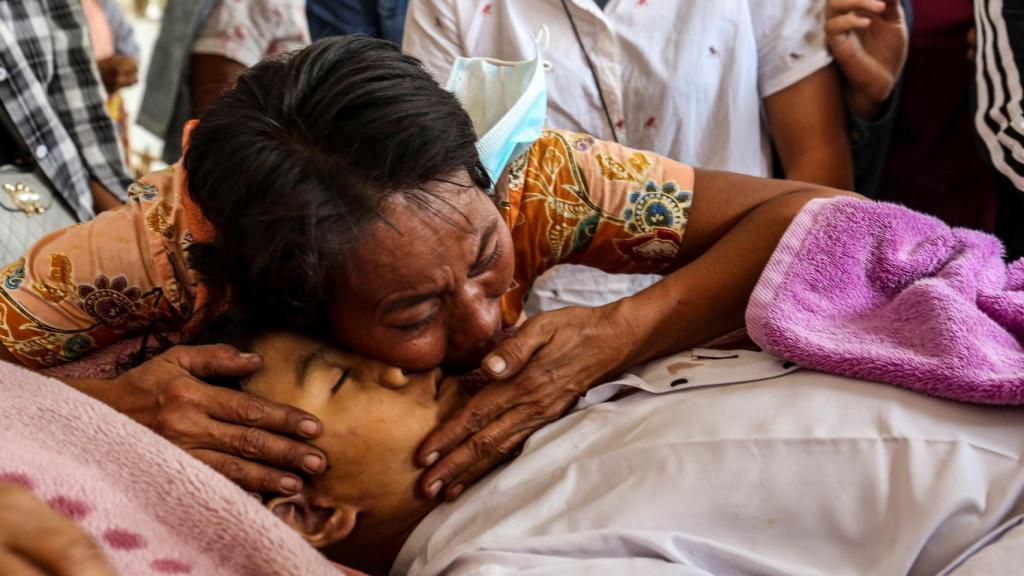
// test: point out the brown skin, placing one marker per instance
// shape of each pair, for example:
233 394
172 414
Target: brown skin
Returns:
118 71
37 541
209 76
376 417
809 131
869 40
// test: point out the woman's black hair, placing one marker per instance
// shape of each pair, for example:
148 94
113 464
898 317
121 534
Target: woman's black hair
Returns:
292 164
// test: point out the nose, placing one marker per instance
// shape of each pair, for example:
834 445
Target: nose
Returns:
476 320
394 377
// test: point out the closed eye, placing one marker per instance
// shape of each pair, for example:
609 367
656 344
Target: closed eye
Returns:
341 380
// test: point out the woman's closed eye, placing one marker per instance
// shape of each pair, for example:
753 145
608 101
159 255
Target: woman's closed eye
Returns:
418 324
485 264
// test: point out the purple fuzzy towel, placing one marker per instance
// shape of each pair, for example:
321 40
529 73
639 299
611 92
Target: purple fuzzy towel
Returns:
879 292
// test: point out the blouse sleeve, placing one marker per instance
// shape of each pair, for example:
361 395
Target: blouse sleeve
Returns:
576 200
87 286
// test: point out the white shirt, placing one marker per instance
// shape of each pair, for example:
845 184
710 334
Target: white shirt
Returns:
681 78
798 474
684 77
251 30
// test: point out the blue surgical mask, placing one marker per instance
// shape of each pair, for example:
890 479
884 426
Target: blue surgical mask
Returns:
507 102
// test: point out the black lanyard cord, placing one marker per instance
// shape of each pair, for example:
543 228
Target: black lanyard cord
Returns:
593 72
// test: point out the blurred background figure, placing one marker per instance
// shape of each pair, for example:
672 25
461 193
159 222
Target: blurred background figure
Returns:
934 164
378 18
117 57
203 46
54 122
999 119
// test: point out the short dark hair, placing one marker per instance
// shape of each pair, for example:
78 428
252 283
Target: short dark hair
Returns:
293 163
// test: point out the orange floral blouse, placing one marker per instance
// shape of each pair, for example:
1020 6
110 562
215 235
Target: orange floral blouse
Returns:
570 199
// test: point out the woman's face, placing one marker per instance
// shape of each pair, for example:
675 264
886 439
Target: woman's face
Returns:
424 288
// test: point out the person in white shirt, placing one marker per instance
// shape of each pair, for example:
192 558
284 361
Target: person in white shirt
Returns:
712 84
717 463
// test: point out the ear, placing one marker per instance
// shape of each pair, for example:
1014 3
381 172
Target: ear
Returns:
319 525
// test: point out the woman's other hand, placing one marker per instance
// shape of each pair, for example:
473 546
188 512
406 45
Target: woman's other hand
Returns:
37 541
869 40
251 441
537 376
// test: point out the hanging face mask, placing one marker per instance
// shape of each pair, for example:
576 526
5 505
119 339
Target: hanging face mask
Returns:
507 101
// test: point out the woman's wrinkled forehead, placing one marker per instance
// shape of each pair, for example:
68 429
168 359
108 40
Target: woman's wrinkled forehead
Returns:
416 238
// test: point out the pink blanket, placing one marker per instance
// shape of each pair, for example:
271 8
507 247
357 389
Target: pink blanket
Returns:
152 507
879 292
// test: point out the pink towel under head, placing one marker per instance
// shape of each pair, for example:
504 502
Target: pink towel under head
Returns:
152 507
879 292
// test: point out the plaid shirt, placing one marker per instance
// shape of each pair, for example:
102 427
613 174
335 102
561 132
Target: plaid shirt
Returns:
50 87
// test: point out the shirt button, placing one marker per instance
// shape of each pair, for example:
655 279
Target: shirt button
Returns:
3 74
41 151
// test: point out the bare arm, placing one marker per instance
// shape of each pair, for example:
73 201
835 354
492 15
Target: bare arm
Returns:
809 130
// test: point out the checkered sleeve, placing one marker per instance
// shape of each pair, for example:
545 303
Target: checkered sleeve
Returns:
79 100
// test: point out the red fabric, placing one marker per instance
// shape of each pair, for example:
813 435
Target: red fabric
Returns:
934 164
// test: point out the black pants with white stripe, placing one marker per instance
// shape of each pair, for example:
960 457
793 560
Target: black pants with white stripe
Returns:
1000 115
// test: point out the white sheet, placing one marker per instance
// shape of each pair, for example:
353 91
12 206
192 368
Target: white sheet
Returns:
802 473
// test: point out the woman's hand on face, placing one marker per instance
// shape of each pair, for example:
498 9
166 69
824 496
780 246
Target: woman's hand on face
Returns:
36 541
869 41
537 376
247 439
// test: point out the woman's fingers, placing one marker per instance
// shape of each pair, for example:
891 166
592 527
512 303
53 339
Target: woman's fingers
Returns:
840 6
454 488
846 23
487 405
261 446
213 361
251 476
511 356
241 408
481 452
34 534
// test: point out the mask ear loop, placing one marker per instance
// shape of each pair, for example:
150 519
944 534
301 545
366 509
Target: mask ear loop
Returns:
593 72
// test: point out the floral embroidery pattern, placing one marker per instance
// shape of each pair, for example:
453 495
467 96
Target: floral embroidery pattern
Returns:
109 301
656 219
14 275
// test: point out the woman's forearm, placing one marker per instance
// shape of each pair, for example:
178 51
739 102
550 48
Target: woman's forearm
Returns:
708 297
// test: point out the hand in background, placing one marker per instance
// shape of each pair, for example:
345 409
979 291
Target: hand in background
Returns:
869 41
118 71
35 540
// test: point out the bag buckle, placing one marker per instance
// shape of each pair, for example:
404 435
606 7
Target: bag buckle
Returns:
24 198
